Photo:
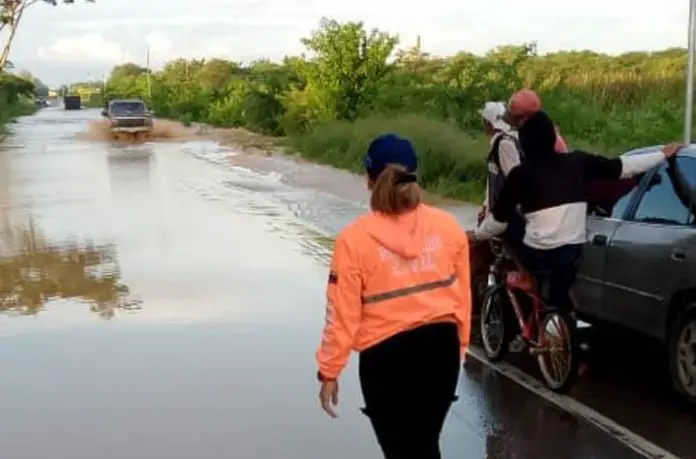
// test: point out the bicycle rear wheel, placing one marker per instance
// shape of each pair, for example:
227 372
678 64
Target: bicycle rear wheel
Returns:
559 353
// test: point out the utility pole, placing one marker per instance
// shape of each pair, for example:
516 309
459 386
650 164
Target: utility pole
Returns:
149 83
689 102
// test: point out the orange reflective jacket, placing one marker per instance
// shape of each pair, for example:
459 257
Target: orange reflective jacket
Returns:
393 274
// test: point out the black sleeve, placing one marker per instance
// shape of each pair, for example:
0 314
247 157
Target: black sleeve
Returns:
596 167
508 199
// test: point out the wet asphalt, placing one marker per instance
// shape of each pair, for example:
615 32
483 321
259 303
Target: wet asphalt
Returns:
164 300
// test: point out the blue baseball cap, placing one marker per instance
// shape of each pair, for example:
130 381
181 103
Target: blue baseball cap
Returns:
389 149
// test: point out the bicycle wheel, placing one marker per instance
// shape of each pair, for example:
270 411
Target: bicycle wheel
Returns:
496 325
559 353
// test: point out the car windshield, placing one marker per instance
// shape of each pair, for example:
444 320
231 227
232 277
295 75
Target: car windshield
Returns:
128 108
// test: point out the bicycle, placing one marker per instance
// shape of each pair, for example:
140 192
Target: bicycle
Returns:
504 327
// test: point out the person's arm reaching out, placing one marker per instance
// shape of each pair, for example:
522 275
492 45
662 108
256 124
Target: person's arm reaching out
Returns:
495 222
601 168
343 310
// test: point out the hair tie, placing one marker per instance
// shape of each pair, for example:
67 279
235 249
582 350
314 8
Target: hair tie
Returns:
406 177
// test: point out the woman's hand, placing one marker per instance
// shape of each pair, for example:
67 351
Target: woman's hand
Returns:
328 396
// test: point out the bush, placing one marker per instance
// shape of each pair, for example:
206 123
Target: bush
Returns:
16 96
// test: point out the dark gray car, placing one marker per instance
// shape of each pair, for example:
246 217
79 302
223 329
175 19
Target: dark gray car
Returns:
639 268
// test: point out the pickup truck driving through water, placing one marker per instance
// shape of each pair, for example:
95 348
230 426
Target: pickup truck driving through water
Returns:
128 118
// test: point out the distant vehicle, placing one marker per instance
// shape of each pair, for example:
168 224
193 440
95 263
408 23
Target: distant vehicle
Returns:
128 118
40 102
72 102
639 267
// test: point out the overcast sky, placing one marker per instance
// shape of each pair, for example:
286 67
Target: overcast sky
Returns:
64 44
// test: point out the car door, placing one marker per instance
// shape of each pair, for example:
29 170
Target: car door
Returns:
649 249
607 207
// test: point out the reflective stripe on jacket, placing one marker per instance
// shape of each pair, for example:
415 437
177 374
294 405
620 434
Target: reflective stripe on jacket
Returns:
390 275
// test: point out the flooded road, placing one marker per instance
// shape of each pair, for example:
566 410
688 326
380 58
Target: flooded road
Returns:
165 301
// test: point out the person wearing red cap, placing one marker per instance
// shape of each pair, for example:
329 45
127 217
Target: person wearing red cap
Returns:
525 103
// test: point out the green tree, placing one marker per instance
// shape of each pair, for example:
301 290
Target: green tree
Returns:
40 89
216 73
126 80
347 66
11 12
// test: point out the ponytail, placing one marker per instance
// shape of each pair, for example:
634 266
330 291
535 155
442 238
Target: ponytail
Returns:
395 191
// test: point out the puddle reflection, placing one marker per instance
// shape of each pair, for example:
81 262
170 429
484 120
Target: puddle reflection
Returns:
34 271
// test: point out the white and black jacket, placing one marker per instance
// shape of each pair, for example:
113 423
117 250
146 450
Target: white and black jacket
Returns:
552 191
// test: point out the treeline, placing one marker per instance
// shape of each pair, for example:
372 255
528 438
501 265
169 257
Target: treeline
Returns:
356 83
15 98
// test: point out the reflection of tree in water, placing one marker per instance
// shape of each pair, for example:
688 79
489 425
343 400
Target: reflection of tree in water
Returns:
32 272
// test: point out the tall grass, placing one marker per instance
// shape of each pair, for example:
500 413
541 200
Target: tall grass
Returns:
452 162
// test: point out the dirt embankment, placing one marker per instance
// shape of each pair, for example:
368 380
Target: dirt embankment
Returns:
243 139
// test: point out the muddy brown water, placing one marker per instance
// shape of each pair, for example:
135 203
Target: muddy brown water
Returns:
164 300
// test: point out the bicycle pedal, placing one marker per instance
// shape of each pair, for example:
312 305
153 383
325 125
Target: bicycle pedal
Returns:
517 345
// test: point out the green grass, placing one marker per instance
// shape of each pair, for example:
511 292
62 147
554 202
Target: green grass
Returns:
8 113
452 162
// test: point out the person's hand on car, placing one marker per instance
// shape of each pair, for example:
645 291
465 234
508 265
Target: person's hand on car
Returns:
671 149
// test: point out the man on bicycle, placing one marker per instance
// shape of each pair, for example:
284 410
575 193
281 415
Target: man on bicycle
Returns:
551 191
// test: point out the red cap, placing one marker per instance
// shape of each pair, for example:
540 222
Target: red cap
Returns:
524 103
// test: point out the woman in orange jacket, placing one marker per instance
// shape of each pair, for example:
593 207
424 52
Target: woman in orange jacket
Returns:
399 294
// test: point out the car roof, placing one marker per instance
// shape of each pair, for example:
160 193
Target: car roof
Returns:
687 151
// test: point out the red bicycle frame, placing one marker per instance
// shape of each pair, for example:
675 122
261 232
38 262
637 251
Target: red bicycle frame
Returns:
515 281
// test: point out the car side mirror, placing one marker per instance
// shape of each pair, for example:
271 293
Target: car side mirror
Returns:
104 114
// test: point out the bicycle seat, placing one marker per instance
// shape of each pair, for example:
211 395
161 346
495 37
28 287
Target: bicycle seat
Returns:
519 280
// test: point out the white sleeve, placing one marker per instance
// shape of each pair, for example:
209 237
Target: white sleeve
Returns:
489 228
632 165
508 155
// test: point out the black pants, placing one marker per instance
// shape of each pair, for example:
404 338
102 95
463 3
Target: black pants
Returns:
557 268
408 383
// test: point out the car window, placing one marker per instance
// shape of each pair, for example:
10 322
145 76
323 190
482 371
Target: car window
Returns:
686 166
610 198
660 203
128 108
